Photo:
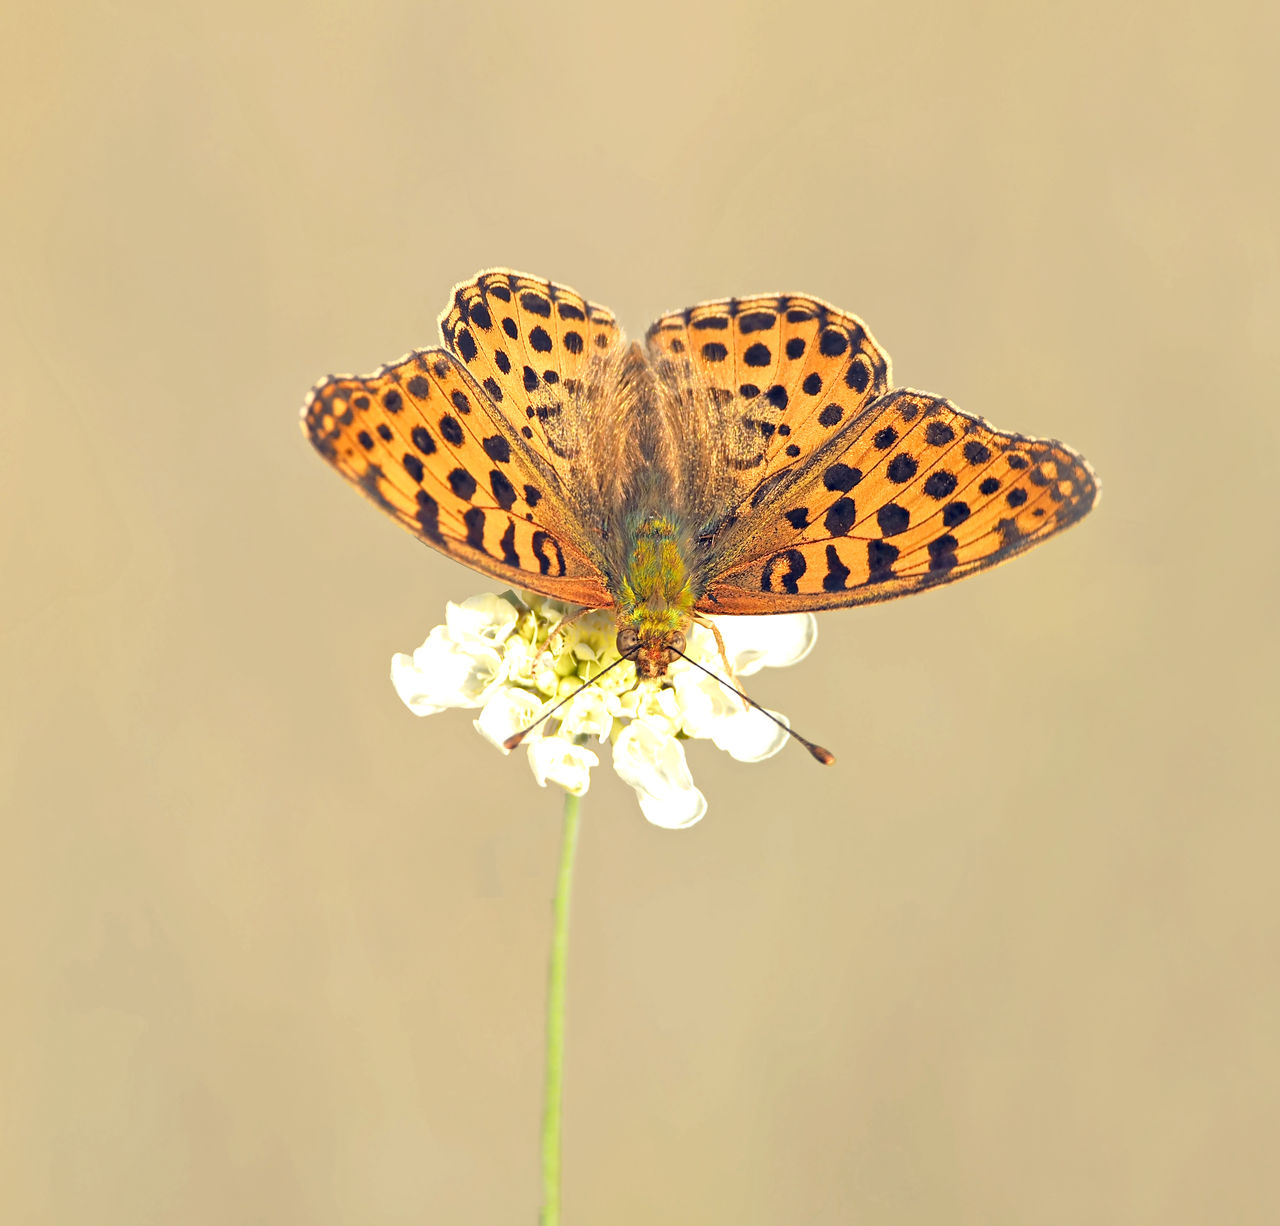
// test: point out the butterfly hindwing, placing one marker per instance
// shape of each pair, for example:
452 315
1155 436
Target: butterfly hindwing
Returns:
915 494
795 367
527 342
425 444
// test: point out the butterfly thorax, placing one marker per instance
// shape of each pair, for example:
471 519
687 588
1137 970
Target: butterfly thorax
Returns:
655 595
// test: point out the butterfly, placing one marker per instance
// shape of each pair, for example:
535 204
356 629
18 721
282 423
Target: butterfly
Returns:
751 456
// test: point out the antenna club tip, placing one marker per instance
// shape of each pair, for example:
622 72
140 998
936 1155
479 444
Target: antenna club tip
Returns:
825 756
513 742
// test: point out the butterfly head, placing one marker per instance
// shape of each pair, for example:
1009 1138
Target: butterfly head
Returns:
651 646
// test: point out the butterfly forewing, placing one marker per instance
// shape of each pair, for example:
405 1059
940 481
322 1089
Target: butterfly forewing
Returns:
796 369
425 444
528 342
915 494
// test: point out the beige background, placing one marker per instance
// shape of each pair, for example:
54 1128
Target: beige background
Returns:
273 949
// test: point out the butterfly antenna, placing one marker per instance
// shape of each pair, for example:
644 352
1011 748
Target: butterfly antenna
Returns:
512 741
825 756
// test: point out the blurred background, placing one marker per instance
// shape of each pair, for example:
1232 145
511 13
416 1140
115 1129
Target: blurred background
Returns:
274 949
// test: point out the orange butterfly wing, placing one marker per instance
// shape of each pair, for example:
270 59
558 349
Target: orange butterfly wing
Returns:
911 494
798 368
422 442
527 342
848 492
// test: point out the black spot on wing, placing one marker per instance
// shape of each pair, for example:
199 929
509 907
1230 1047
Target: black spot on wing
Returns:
497 449
509 554
428 516
832 343
939 484
841 478
503 491
858 375
837 577
893 519
901 468
535 304
942 552
840 517
451 430
783 570
549 554
880 559
462 483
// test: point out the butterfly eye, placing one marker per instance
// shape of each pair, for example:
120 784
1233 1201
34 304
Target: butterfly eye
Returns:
676 641
628 640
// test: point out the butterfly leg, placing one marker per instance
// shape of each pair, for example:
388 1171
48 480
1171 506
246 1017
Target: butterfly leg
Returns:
724 655
562 625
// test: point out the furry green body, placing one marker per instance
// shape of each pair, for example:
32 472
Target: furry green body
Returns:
656 595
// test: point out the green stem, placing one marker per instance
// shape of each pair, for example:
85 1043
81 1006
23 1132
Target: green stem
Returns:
555 1019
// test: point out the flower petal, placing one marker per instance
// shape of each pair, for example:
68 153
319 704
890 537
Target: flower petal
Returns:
487 619
510 710
750 735
655 705
653 763
556 760
587 715
704 702
443 673
412 686
774 640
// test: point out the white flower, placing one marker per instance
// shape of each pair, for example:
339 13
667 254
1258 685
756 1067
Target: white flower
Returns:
445 673
750 735
753 642
509 710
557 760
485 619
495 652
589 714
652 762
709 709
657 706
